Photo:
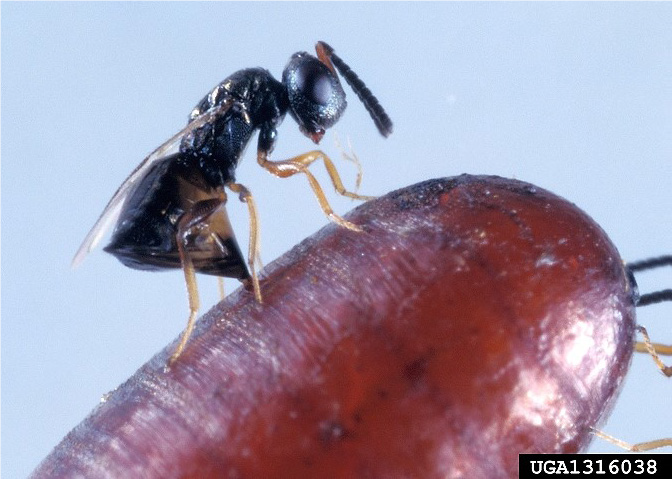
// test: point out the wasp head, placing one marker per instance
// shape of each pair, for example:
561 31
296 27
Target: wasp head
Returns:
316 97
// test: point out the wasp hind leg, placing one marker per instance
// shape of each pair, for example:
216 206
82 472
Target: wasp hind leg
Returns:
187 222
253 250
206 242
300 164
220 288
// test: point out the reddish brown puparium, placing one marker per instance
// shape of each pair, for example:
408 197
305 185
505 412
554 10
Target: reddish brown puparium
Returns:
474 319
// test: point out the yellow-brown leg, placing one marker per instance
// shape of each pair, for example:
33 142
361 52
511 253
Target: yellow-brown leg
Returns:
663 349
639 447
300 164
352 158
220 287
654 350
192 293
253 251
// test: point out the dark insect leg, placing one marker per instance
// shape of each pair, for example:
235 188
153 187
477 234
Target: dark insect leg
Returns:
650 263
300 164
655 297
646 346
253 251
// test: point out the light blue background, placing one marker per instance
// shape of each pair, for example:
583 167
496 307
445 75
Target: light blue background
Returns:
576 98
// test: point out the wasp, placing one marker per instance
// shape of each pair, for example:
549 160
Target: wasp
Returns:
171 210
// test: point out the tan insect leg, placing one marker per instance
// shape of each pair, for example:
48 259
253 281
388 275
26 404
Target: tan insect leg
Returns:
663 349
352 158
300 164
654 350
220 287
192 293
639 447
253 252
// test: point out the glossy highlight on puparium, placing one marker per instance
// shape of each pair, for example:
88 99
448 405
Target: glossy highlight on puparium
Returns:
171 211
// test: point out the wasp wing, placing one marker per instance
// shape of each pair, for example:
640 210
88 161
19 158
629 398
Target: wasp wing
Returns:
111 213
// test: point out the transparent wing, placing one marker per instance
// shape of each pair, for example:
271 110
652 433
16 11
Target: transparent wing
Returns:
111 213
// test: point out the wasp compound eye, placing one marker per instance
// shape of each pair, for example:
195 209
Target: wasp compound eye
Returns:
314 84
315 95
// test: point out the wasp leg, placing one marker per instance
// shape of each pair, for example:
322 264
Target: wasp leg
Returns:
654 350
662 349
300 164
198 222
253 251
639 447
352 158
184 228
220 287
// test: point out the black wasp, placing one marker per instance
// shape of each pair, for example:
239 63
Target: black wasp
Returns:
170 212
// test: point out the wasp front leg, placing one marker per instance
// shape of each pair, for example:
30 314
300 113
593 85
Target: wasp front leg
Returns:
300 164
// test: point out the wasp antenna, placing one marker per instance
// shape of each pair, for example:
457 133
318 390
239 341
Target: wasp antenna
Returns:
380 118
